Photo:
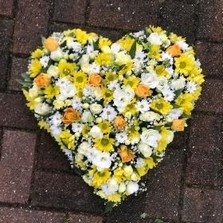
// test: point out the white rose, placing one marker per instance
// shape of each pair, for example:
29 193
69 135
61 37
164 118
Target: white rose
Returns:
98 93
96 132
115 48
178 84
122 188
150 79
84 60
132 187
150 137
149 116
34 91
83 147
56 55
42 109
154 38
145 149
53 71
128 170
96 108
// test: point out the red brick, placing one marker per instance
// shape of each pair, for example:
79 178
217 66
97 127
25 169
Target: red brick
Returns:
205 163
64 191
19 66
73 218
50 156
72 11
164 183
203 206
211 97
6 7
16 215
14 113
210 20
210 55
31 22
3 69
132 15
182 25
16 166
6 29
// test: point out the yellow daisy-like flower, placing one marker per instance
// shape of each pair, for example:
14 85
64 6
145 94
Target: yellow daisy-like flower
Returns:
105 126
37 54
104 144
110 76
150 163
114 197
131 108
184 64
185 101
80 79
119 173
100 177
51 91
81 36
104 59
85 130
44 125
35 68
157 29
67 139
66 69
104 42
126 43
107 95
161 70
154 52
126 68
131 81
161 105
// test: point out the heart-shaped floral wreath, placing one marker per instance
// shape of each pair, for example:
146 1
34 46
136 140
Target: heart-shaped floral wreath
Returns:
113 107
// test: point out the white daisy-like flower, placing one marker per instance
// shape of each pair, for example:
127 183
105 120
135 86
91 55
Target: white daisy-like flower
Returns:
94 68
108 113
166 56
132 187
121 137
191 87
76 104
141 56
44 61
55 119
154 39
168 94
75 46
55 130
114 85
101 160
77 127
143 105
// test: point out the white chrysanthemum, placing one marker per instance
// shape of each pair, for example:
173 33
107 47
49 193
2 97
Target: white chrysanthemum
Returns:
154 39
175 113
183 45
88 91
94 68
121 137
139 162
163 83
132 187
143 105
145 149
77 127
55 130
75 46
114 85
55 119
44 61
178 83
168 94
141 56
111 187
166 56
76 104
191 87
150 137
115 48
102 160
96 132
69 154
149 79
108 113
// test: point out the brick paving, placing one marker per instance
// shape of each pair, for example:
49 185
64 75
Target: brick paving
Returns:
36 182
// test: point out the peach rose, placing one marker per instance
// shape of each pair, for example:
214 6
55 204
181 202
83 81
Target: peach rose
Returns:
178 124
119 122
142 91
95 79
70 115
174 50
50 44
42 80
125 154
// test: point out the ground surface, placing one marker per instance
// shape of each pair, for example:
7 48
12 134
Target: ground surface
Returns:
36 183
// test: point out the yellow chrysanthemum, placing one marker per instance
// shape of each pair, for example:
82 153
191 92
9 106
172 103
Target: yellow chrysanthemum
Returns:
110 76
119 173
35 68
44 125
66 69
51 91
131 108
114 197
107 95
161 70
185 101
100 177
104 59
80 79
161 105
126 43
104 42
127 68
37 54
104 144
157 29
85 130
81 36
105 126
184 64
67 139
154 52
150 163
31 100
131 81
